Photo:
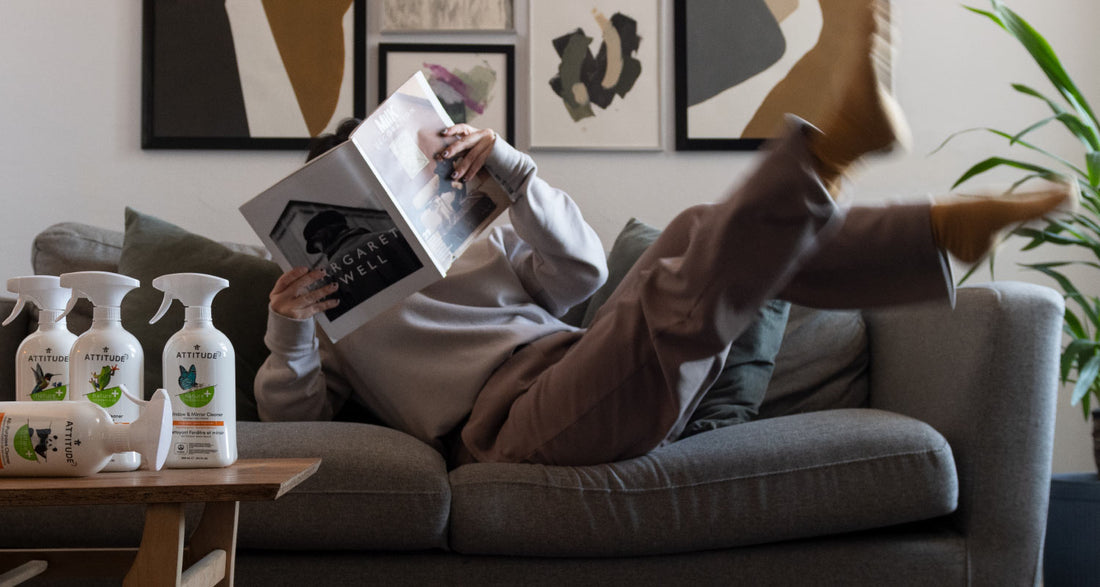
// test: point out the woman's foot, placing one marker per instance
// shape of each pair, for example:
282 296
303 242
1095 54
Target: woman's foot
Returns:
868 119
967 226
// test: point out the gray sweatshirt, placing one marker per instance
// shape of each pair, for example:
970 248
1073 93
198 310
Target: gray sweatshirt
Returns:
420 365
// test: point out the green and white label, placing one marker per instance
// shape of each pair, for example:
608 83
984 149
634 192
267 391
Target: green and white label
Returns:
52 394
23 444
197 398
105 397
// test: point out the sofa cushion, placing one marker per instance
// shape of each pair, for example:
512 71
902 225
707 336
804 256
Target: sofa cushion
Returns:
151 248
736 394
833 472
73 246
376 489
822 364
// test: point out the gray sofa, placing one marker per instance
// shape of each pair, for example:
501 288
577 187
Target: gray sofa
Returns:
902 447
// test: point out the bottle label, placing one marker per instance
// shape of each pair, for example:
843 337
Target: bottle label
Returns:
50 394
24 441
105 398
45 384
197 398
200 423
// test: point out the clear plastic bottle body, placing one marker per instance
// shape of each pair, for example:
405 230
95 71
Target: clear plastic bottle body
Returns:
42 362
102 359
200 376
55 439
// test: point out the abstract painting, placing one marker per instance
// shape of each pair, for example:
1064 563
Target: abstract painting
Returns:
250 74
741 65
447 15
473 82
595 74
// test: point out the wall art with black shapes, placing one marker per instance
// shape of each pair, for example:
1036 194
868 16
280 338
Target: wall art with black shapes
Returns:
250 74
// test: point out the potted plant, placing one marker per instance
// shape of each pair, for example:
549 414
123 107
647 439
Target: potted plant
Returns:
1080 230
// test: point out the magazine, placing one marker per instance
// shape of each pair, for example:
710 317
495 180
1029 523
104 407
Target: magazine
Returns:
378 213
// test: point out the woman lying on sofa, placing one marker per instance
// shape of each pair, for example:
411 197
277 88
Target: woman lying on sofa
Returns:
480 366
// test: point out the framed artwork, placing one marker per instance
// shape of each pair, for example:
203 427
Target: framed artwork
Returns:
741 65
595 74
241 74
447 15
474 82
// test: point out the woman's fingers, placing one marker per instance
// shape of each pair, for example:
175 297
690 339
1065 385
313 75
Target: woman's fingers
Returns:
471 149
293 297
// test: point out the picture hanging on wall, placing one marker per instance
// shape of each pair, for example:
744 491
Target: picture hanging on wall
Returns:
595 74
250 75
473 82
447 15
741 65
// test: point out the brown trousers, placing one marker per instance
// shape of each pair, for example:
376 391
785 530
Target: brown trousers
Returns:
632 380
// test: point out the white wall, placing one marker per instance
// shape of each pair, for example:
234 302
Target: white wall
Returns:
70 110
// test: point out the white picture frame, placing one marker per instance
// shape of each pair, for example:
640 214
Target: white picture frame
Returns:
581 117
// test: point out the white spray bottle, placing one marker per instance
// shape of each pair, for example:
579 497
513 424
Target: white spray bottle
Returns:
106 356
199 371
42 360
75 439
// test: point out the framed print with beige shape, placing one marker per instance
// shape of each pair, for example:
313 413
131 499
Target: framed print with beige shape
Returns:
595 74
742 65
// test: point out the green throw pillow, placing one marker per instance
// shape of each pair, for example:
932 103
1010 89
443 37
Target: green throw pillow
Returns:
736 395
151 248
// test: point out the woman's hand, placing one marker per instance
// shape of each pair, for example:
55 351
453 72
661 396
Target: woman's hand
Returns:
473 147
291 296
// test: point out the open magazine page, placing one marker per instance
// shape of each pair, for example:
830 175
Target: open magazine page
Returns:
399 141
330 214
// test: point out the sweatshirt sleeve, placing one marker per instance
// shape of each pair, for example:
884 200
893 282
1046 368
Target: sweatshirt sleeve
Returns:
558 257
292 384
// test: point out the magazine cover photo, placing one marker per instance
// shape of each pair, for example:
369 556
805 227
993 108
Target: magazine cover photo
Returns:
399 141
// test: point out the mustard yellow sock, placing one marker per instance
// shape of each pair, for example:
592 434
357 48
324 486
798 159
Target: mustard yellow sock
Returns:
967 227
867 119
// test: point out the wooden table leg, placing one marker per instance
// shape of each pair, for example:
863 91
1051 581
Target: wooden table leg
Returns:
217 530
159 559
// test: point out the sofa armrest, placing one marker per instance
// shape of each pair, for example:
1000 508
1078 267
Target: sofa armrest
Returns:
10 338
985 375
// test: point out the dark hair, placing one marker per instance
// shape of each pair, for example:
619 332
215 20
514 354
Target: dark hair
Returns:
320 144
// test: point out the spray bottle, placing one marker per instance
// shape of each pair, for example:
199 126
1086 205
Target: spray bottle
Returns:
106 356
42 360
199 370
75 439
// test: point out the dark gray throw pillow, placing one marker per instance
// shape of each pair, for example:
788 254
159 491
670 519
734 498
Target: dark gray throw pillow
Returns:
152 247
736 395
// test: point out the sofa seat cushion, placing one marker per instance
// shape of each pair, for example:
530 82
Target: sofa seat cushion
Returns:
376 489
771 480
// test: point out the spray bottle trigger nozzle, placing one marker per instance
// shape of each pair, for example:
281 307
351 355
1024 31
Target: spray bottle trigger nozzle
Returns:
126 392
164 305
19 303
69 306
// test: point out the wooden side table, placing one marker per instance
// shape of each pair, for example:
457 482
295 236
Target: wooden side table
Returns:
162 558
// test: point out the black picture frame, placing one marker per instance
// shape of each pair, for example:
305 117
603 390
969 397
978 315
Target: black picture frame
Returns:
684 142
504 51
183 106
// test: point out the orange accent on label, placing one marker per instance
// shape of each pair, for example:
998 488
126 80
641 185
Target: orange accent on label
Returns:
198 423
